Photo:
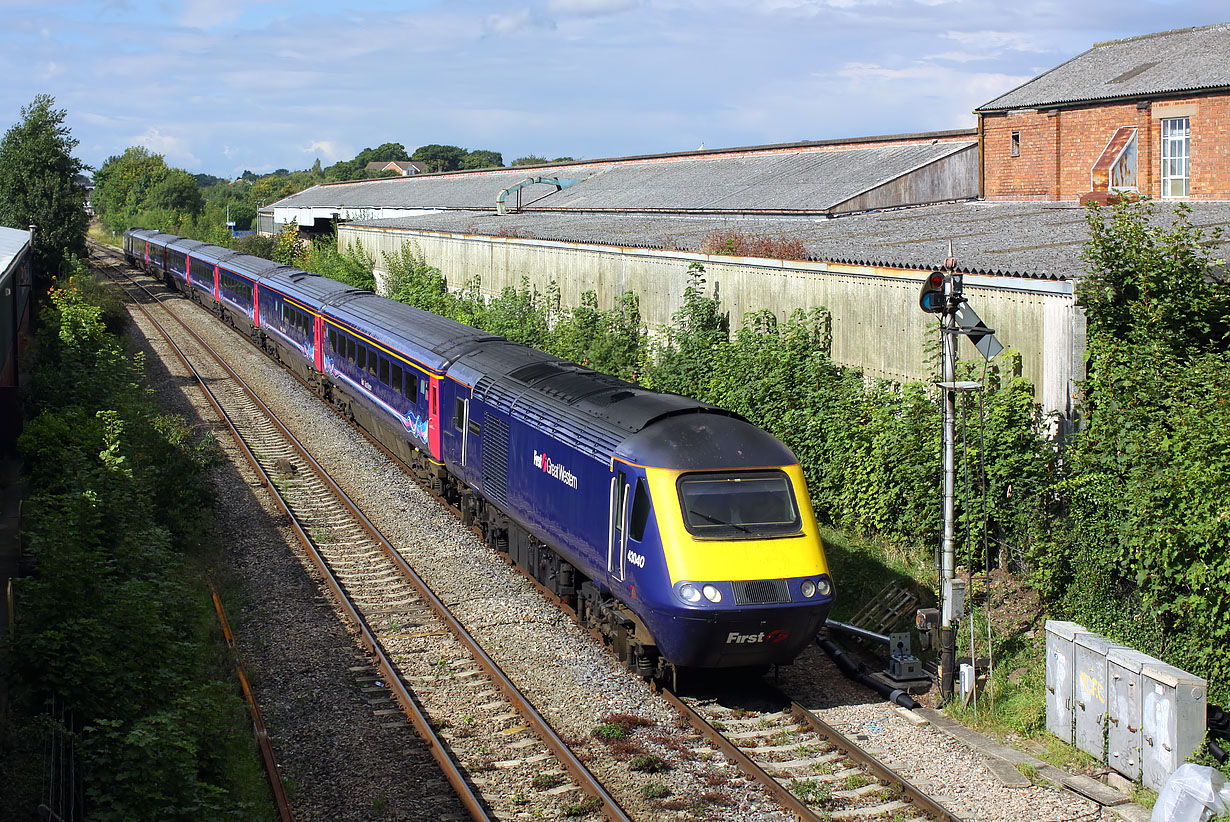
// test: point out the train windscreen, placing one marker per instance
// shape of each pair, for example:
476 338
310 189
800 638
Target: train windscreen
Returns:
738 504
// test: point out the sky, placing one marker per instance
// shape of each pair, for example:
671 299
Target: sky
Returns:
223 86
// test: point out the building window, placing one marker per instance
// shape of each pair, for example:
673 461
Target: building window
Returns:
1176 157
1016 144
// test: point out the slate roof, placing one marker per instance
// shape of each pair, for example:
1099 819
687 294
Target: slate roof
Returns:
797 181
1183 60
1034 240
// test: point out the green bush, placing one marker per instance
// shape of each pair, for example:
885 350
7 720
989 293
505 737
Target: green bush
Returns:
113 624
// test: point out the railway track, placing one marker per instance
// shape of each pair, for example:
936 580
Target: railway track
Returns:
811 769
424 664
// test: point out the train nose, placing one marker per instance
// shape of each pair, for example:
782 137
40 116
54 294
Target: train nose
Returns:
762 637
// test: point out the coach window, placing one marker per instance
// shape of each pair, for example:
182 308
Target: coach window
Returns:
362 358
640 511
396 384
372 358
384 371
412 387
332 340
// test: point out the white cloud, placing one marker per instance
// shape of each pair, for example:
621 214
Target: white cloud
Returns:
208 14
589 8
328 151
998 41
173 149
516 22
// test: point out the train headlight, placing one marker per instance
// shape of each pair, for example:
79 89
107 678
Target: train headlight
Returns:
712 593
824 586
808 588
689 592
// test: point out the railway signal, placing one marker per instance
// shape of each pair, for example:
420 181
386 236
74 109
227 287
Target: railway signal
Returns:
931 299
942 293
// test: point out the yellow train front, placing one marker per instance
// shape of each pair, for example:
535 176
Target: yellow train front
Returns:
729 569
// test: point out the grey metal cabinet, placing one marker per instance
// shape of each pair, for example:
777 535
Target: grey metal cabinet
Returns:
1090 651
1123 712
1060 677
1173 707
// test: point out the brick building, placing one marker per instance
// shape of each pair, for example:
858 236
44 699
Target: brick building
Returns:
1147 114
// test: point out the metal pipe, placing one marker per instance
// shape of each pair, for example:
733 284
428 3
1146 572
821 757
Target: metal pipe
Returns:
855 631
851 670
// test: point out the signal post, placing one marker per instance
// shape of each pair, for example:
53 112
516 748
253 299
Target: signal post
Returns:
941 294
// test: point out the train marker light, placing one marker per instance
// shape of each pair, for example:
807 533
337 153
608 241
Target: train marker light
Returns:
931 299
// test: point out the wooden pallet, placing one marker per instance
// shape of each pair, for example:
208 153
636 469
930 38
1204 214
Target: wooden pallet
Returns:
885 610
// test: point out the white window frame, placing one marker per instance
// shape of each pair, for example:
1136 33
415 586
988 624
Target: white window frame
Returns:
1176 140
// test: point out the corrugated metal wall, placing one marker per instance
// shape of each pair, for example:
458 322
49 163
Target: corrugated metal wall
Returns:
877 325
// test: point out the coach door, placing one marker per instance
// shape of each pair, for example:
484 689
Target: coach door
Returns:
617 536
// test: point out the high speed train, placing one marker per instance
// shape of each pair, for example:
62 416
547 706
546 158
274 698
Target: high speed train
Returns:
680 531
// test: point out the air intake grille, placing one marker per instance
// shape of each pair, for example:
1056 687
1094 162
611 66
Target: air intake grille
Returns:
761 592
495 457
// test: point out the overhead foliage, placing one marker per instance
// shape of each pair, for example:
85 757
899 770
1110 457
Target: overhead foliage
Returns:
38 184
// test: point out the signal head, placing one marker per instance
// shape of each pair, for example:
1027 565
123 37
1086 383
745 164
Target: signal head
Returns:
931 299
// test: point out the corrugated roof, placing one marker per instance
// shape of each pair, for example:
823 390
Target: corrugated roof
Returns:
1183 60
813 181
775 182
12 241
1034 240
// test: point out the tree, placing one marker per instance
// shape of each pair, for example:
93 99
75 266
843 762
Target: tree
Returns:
37 185
536 160
439 158
530 160
176 192
243 213
480 158
124 182
382 153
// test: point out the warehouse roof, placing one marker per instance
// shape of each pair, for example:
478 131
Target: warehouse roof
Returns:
1183 60
1035 240
767 179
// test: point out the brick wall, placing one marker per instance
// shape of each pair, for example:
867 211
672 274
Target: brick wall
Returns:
1059 148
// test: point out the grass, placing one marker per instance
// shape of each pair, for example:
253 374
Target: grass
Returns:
811 790
861 568
649 763
547 781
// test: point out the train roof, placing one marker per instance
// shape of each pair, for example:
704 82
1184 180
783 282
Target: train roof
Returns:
254 267
432 340
704 441
189 246
595 412
310 289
